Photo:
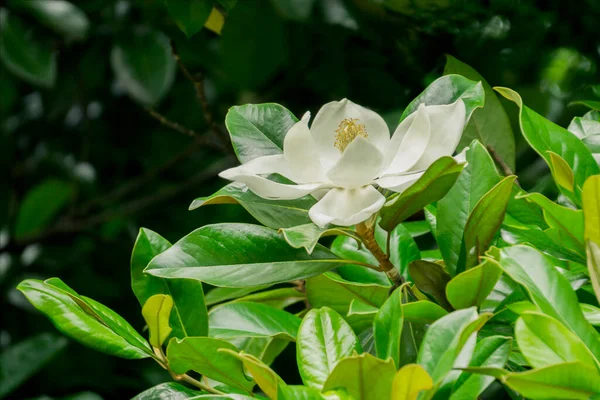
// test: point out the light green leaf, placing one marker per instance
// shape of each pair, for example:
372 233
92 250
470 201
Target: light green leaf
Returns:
271 213
264 376
324 338
189 316
23 55
61 16
307 236
544 341
251 320
144 65
387 328
236 255
591 313
190 15
156 312
431 278
356 375
204 355
409 382
591 209
85 320
422 312
431 187
490 125
167 391
561 171
472 287
22 360
593 255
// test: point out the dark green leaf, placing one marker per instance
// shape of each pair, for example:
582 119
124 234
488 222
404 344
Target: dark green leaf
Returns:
167 391
222 294
190 15
276 298
431 278
61 16
347 248
387 328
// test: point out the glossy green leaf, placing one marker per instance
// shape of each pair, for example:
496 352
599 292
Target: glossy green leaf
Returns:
591 209
258 130
490 352
265 349
446 90
593 255
472 287
545 136
422 312
190 15
144 66
264 376
347 248
431 278
593 104
358 307
156 312
276 298
63 17
189 316
536 273
561 171
296 392
409 382
330 290
222 294
204 355
324 338
477 178
490 124
591 314
236 255
167 391
271 213
387 328
356 375
41 205
587 125
544 341
84 320
24 54
307 236
432 186
484 221
252 320
23 359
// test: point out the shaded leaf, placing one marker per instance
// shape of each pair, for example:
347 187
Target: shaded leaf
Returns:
431 278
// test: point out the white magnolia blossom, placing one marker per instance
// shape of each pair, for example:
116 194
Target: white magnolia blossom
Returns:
346 151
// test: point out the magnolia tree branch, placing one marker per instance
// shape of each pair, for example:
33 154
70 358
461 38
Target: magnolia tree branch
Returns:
367 234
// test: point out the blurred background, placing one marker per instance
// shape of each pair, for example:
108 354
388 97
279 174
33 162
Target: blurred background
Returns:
103 131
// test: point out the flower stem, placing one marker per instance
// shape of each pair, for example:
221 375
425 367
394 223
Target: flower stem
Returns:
367 235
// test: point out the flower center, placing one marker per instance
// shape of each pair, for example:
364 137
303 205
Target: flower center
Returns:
348 130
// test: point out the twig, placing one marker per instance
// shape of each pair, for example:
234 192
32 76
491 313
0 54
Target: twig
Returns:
506 170
368 237
170 124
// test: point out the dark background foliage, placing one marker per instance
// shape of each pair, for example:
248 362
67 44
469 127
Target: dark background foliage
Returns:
85 166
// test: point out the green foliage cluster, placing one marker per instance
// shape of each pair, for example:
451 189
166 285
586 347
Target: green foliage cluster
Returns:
502 274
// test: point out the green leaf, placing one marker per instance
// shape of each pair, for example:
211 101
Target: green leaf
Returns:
357 374
61 16
265 349
588 125
545 136
330 290
591 313
570 381
258 130
251 320
167 391
472 287
484 221
85 320
593 256
190 15
271 213
41 205
276 298
307 236
446 90
594 105
347 248
409 382
591 209
422 312
236 255
431 278
536 273
324 338
544 341
22 360
477 178
264 376
432 186
490 125
222 294
387 328
144 66
490 352
562 172
189 316
156 312
22 53
204 355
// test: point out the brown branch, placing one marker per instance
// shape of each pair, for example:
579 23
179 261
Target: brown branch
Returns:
170 124
506 170
368 237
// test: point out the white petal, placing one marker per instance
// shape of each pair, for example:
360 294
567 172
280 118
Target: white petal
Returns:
301 153
447 124
274 164
346 207
361 162
328 120
399 183
409 142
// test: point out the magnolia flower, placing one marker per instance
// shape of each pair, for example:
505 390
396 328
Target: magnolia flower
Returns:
346 152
